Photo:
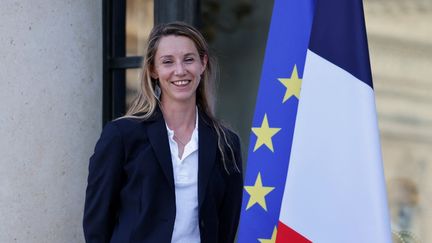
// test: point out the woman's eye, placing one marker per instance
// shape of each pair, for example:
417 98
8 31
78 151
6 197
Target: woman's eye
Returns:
166 62
189 59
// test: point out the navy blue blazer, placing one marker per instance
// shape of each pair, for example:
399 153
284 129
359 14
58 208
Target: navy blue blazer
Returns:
130 195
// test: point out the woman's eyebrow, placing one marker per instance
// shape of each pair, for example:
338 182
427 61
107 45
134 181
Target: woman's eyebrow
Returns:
187 54
165 56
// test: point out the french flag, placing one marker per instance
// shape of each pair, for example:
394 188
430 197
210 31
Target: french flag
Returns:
335 188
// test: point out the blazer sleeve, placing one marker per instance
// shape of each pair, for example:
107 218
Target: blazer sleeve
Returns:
104 185
231 206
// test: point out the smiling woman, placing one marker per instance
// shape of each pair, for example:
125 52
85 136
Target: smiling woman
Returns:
168 171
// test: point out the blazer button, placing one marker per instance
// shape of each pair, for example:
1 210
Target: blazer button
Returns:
202 223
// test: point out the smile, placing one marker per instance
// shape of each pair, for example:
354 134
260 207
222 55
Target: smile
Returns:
181 83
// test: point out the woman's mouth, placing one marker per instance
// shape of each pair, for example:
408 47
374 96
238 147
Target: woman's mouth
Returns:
181 83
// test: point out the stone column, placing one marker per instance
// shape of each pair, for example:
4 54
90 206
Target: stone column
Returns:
50 115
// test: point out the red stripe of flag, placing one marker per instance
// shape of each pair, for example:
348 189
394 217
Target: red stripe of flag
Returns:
287 235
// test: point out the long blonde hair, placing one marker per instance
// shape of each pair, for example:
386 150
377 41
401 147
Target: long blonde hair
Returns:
147 100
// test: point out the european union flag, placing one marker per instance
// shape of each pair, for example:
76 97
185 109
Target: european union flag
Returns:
324 182
274 120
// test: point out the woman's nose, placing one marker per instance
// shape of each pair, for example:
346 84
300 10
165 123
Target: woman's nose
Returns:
180 69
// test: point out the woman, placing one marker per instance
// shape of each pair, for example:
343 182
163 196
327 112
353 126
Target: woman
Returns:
168 171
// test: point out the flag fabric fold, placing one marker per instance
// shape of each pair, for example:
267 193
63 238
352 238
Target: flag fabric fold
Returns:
333 189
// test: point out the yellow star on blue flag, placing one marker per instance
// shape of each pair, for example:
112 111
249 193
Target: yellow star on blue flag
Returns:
292 85
257 193
264 134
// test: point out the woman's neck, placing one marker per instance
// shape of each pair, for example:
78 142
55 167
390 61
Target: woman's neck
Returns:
179 116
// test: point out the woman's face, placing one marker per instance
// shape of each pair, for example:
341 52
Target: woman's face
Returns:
178 67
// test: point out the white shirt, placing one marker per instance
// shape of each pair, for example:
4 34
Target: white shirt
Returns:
186 229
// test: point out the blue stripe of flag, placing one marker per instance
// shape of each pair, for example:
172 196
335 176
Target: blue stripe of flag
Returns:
338 33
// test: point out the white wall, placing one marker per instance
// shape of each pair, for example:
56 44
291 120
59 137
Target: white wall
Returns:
50 115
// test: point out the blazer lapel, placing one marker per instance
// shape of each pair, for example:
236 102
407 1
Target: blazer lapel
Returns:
158 137
207 144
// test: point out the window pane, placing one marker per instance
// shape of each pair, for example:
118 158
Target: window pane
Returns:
139 21
132 85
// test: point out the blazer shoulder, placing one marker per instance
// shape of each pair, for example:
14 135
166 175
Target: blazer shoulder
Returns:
230 134
232 137
127 128
232 150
